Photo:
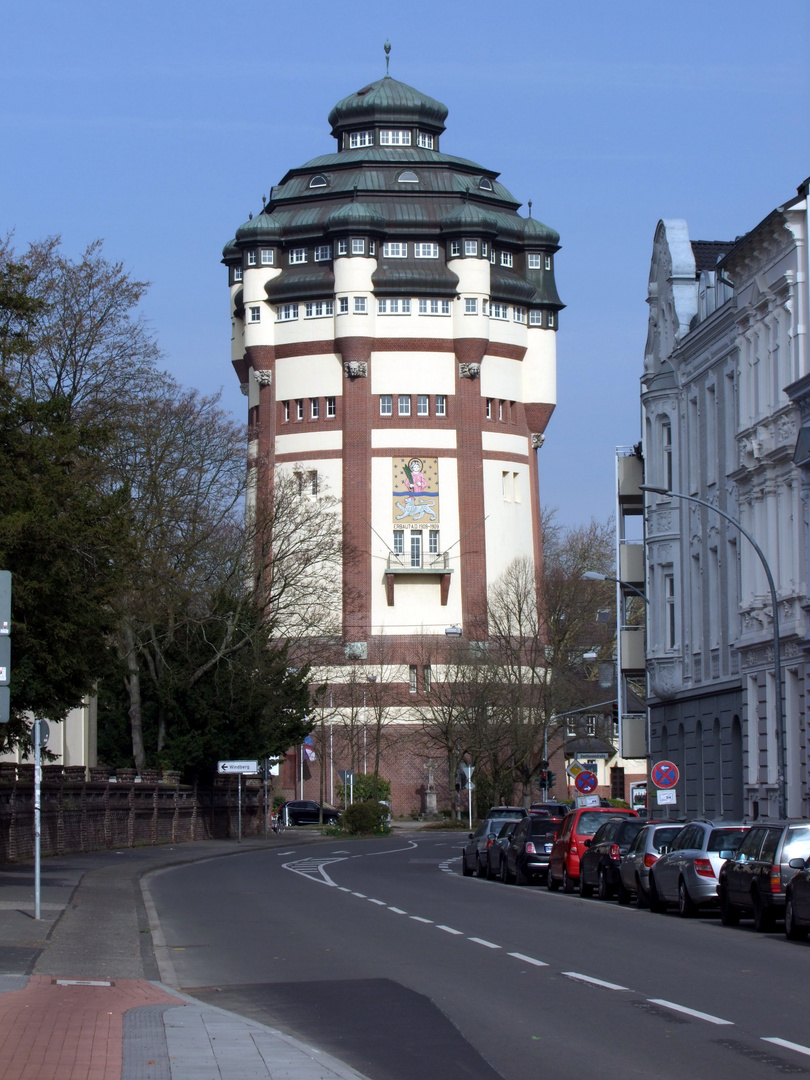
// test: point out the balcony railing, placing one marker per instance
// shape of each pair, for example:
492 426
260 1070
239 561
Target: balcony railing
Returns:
422 564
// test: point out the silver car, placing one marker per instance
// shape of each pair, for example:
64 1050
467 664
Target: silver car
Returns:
687 874
644 852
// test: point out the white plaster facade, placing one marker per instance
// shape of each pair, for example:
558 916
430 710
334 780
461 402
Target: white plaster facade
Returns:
722 392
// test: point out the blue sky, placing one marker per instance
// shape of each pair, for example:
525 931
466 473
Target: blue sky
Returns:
159 125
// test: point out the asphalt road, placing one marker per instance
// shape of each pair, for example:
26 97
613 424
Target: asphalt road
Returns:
380 952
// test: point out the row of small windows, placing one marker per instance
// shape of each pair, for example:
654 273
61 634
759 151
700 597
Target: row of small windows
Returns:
404 402
505 410
389 137
393 250
297 408
358 305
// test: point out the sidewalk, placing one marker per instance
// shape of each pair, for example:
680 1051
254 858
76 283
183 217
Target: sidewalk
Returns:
80 997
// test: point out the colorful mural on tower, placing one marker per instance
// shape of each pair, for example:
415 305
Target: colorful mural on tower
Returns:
415 491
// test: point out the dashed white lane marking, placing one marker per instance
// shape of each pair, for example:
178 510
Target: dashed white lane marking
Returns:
286 852
371 900
418 918
448 929
691 1012
362 895
397 910
483 941
340 852
593 982
788 1045
528 959
344 889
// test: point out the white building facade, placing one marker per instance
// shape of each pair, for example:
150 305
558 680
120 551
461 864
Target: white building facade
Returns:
722 394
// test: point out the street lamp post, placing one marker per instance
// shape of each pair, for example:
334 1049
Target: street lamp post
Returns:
777 657
594 575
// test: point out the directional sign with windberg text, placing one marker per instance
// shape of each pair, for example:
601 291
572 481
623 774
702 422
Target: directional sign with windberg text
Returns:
665 774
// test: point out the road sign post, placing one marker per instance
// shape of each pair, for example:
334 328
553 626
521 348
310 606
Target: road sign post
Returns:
228 768
468 770
665 774
5 646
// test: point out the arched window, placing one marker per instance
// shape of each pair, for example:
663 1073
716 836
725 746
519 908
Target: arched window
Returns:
318 181
408 176
485 184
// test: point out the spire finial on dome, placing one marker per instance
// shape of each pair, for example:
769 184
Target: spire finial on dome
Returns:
387 48
530 207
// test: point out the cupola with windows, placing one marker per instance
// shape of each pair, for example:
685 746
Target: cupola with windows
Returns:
392 113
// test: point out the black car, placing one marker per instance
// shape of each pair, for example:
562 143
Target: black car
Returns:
527 853
753 883
797 905
553 809
307 812
599 863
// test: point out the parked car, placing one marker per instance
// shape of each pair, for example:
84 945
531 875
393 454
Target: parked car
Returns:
507 812
577 827
307 812
528 851
687 873
797 905
599 863
646 849
553 809
474 856
754 882
496 850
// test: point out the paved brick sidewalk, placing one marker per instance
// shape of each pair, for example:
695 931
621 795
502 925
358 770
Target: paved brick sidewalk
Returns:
58 1029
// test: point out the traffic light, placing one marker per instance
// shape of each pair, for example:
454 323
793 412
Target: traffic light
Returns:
549 779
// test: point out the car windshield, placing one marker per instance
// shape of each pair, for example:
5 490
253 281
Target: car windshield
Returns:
797 844
589 822
665 836
544 827
725 839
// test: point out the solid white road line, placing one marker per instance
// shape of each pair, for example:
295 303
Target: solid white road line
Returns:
691 1012
482 941
788 1045
448 929
593 982
528 959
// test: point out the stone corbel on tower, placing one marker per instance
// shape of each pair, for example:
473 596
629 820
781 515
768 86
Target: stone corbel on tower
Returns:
469 371
355 369
262 377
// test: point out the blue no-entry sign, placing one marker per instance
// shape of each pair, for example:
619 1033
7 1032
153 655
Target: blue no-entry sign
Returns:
665 774
586 782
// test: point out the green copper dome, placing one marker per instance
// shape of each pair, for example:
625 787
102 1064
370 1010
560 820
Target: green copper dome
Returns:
535 232
391 102
261 227
355 215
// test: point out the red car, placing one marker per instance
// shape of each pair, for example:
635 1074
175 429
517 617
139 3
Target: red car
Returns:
577 827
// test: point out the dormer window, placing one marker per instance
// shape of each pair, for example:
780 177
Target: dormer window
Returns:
485 184
318 181
408 177
251 258
395 137
237 273
267 256
506 258
424 140
361 138
547 262
534 262
358 246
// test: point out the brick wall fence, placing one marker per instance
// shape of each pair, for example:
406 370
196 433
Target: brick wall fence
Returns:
79 816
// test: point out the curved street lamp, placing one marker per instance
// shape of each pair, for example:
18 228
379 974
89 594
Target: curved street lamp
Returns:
594 575
777 657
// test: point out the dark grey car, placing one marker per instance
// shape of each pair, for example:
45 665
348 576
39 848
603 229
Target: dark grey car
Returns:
645 851
474 856
754 882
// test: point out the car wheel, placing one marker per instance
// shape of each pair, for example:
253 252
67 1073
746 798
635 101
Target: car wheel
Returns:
687 908
489 874
479 868
551 882
657 905
763 916
567 883
603 890
506 877
642 900
585 890
520 877
792 931
622 894
729 913
465 870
